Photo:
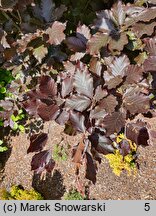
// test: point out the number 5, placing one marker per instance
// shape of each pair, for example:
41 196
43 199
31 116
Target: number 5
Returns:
147 207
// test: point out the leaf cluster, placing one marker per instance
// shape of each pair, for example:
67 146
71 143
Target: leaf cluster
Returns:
96 77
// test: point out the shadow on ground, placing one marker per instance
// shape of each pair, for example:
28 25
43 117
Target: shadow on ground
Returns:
51 187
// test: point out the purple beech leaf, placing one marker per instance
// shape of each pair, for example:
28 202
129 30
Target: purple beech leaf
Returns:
48 113
83 33
42 161
119 14
119 65
75 44
101 143
116 70
137 132
104 145
136 14
118 44
77 152
105 21
6 104
56 33
78 102
63 118
40 52
47 86
78 43
109 103
97 113
67 86
77 120
83 83
95 66
47 7
134 101
150 64
124 147
141 29
50 166
150 46
96 42
91 168
134 74
77 56
114 122
99 93
31 106
69 67
37 142
111 81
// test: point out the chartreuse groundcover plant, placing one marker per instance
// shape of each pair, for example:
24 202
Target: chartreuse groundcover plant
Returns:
18 193
96 76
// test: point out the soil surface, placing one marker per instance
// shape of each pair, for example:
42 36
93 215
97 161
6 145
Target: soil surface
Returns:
17 171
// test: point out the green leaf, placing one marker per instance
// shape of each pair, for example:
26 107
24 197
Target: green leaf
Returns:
13 118
3 90
21 128
15 126
2 149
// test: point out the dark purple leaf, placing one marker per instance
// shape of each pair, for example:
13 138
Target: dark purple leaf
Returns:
37 142
69 67
78 121
83 33
78 102
150 64
6 104
101 143
97 113
109 103
111 81
119 12
31 106
78 43
83 83
95 66
67 86
77 56
137 132
47 86
75 44
139 14
118 66
114 122
100 93
63 117
50 166
78 152
143 29
119 43
40 161
150 46
46 112
56 33
96 42
134 101
91 168
105 22
133 74
124 147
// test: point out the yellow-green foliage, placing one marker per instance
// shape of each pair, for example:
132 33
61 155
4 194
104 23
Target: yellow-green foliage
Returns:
16 193
119 162
73 195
